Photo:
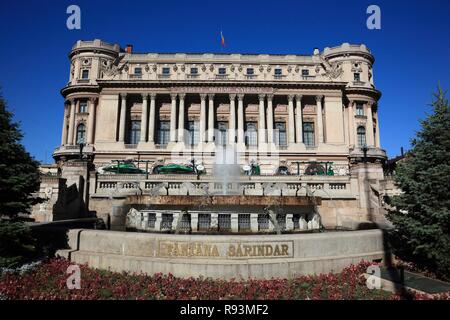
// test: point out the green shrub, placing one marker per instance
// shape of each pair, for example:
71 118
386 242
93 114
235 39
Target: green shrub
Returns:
17 245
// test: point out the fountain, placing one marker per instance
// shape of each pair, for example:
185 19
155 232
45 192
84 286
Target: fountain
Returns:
226 225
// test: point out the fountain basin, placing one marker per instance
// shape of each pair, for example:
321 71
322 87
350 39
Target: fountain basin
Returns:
222 214
221 256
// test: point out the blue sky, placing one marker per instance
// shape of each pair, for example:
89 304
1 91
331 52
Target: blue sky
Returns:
412 49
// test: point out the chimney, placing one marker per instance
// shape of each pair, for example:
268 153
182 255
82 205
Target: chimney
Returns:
129 48
401 151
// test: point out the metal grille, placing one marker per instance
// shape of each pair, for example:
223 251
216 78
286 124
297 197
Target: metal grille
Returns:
151 220
263 222
166 221
204 221
185 223
281 219
224 221
244 222
296 220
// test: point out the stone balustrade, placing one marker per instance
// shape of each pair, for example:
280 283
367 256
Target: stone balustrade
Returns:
327 187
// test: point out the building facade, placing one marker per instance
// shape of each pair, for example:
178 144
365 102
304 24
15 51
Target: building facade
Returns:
307 120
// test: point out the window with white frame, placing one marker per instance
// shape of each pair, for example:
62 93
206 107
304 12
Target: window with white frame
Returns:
163 133
308 134
361 134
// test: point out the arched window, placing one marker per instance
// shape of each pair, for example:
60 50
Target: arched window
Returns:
361 133
280 134
314 168
251 134
81 134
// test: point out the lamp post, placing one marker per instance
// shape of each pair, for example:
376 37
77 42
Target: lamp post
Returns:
81 145
364 149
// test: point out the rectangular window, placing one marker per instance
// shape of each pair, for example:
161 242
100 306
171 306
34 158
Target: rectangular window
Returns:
83 107
278 72
251 134
85 74
194 70
280 134
250 71
356 77
165 70
138 71
305 72
359 109
222 128
193 133
134 134
222 71
308 134
163 134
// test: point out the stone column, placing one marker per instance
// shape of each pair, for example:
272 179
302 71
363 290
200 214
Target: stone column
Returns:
202 117
123 114
71 121
270 118
369 125
351 123
173 117
194 221
91 120
319 118
151 124
299 120
144 118
211 117
232 120
262 120
291 125
377 128
64 127
240 118
181 96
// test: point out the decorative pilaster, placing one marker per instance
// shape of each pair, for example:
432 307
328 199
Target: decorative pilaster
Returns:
240 118
232 120
91 120
262 120
351 123
291 124
369 125
270 118
71 121
64 127
202 117
173 117
123 114
151 125
299 120
377 130
181 96
319 118
144 118
211 118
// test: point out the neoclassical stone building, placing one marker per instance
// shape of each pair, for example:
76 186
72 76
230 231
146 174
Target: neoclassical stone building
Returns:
315 116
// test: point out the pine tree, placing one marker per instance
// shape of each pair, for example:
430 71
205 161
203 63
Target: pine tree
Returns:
421 217
19 172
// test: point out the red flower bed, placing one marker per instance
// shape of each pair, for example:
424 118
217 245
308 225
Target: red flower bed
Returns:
48 281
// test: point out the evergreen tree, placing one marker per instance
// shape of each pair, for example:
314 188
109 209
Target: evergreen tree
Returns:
19 172
421 217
